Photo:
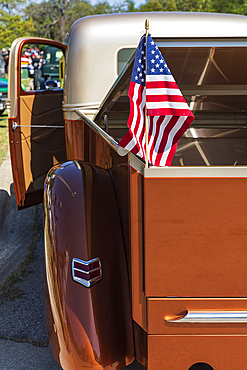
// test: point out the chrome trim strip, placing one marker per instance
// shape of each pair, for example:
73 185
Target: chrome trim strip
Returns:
113 144
210 317
90 282
84 106
201 172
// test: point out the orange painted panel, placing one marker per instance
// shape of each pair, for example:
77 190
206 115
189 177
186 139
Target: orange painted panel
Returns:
195 237
137 252
181 352
161 309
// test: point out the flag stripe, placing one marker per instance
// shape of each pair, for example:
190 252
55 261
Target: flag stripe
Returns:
161 85
169 111
163 91
160 78
166 104
165 135
162 98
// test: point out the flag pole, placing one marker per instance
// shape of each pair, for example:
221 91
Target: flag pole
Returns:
146 118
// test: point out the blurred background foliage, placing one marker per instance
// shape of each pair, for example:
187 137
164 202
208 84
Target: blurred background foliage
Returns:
53 18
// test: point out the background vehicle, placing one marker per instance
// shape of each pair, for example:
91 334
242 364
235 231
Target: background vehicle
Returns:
2 67
3 94
50 65
140 262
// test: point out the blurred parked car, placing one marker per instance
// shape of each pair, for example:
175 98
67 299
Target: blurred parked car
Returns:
50 66
3 94
2 67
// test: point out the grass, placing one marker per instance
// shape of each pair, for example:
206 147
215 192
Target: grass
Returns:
4 136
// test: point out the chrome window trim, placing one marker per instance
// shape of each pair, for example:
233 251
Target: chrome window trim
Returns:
201 42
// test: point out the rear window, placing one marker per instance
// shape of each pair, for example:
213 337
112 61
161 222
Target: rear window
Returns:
213 81
123 57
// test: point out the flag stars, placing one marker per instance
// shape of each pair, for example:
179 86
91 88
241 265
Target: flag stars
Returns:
156 63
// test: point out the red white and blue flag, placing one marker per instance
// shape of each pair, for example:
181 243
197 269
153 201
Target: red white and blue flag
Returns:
158 96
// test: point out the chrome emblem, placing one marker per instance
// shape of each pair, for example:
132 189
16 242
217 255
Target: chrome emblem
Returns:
86 273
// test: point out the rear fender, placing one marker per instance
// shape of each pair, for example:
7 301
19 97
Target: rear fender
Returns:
90 325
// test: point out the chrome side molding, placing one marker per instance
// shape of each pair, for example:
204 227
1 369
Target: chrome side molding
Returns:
209 317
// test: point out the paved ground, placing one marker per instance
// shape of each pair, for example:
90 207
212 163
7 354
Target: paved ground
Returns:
22 321
24 356
15 227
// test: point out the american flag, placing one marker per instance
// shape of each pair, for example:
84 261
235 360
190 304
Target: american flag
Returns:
168 114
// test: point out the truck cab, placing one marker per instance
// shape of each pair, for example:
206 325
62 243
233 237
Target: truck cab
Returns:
145 263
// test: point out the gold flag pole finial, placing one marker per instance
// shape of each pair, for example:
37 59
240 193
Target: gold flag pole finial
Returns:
147 24
146 119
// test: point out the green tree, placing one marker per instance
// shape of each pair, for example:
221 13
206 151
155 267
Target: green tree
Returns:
232 7
61 7
11 6
13 26
78 10
158 5
102 8
49 18
194 5
44 18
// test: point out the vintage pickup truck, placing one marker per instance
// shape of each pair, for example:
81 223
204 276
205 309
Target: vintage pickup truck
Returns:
140 263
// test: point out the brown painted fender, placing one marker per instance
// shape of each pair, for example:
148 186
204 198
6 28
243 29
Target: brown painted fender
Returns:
87 327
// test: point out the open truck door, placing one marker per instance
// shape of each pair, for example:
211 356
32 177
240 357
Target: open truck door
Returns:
36 127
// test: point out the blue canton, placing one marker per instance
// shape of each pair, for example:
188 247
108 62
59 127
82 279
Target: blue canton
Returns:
139 70
156 63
